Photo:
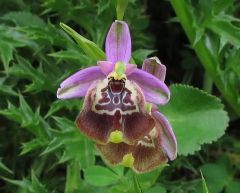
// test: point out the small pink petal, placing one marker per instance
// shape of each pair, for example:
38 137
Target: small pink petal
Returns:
155 67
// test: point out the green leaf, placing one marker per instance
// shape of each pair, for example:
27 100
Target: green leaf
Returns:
217 177
136 183
29 186
27 118
141 54
148 179
4 168
9 40
89 47
195 116
36 185
221 5
145 180
39 80
226 30
157 189
103 5
100 176
233 187
72 143
205 188
119 170
6 89
66 104
71 54
80 150
6 51
33 145
22 18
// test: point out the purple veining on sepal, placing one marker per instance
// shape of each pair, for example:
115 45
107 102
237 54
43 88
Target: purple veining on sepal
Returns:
155 90
118 43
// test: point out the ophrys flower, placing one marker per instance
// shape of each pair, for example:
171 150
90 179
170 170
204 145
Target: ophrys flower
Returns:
115 93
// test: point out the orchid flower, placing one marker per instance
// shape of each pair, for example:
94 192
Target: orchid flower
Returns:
116 93
154 149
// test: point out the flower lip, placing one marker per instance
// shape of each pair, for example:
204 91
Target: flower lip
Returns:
153 150
114 105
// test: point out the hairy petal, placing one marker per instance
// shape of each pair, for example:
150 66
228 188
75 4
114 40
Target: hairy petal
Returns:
113 106
77 84
155 90
118 43
155 67
168 139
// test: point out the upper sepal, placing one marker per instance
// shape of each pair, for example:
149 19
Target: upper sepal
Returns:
118 43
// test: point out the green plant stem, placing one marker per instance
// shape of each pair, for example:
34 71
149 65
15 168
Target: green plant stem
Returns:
73 177
137 186
207 83
120 8
208 60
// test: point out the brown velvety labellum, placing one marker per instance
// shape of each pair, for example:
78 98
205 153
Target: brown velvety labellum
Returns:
114 105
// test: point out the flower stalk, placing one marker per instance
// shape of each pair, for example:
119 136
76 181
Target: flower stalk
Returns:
73 179
120 8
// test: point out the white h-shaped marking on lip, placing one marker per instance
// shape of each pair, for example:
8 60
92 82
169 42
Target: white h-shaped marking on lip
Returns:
103 84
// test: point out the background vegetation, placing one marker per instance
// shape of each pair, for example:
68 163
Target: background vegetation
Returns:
41 150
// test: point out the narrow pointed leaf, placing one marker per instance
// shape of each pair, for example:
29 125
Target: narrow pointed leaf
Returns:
89 47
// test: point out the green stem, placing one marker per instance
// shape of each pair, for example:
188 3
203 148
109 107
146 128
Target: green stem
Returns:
207 83
208 60
73 177
120 8
136 183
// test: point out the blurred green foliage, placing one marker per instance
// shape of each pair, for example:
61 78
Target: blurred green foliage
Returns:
40 148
